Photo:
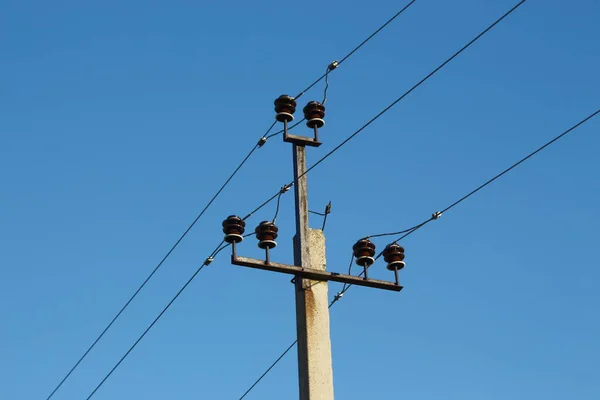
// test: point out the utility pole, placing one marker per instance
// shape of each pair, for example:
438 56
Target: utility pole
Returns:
315 371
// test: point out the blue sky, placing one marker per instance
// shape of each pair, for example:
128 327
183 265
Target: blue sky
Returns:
119 120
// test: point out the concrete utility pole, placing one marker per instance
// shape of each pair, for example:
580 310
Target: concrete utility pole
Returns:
315 370
315 373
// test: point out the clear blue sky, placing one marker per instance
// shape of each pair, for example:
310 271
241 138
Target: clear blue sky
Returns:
120 119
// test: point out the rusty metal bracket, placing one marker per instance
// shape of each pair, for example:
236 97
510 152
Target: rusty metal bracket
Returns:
301 140
313 274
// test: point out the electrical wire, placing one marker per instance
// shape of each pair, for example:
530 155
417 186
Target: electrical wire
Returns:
283 189
415 228
277 209
326 85
208 261
390 233
438 214
269 369
317 213
282 130
345 288
139 289
442 65
371 36
404 95
260 143
583 121
337 297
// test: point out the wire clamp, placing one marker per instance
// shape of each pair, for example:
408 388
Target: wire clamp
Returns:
285 188
333 65
436 215
262 141
338 296
209 260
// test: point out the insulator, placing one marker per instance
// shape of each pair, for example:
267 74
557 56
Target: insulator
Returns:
393 254
285 106
314 112
266 233
364 250
233 228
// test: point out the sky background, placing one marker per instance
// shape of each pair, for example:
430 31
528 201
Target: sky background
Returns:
119 120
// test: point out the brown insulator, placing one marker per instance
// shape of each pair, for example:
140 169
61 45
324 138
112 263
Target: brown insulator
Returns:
285 106
364 250
393 254
233 228
266 233
314 112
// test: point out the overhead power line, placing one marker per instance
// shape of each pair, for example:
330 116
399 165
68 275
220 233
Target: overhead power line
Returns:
354 50
263 139
208 260
156 268
435 216
403 96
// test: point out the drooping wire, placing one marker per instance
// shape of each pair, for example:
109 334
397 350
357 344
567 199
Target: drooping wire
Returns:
209 259
316 213
349 273
277 196
371 36
270 199
326 85
277 209
391 233
323 214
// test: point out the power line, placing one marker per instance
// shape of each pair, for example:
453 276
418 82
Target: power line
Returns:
371 36
386 109
260 143
442 65
139 289
435 216
495 177
208 260
282 130
269 369
583 121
